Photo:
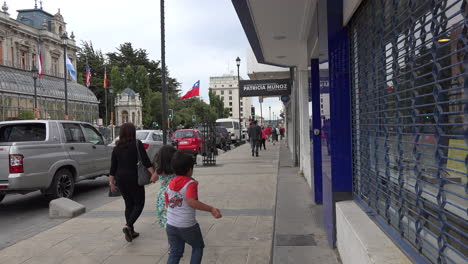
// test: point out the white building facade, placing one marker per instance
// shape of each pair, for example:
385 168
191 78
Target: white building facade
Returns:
128 107
227 88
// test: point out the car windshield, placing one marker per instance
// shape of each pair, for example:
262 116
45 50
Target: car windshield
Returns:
183 134
23 132
141 135
227 124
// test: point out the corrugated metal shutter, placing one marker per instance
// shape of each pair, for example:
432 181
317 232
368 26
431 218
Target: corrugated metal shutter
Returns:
410 120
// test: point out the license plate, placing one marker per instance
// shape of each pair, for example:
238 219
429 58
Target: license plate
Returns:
183 142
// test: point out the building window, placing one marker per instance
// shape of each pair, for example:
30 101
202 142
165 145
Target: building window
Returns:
230 85
222 85
133 118
230 103
242 103
33 62
230 98
222 92
1 53
230 114
230 91
242 109
230 109
124 117
55 67
23 60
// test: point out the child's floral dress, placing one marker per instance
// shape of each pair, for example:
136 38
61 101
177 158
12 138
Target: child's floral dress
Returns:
161 209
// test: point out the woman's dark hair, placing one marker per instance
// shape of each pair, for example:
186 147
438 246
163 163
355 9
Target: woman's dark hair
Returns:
163 159
127 134
181 163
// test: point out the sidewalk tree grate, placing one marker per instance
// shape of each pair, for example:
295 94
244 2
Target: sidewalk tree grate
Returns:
289 240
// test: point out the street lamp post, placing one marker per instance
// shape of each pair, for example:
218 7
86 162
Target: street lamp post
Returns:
238 61
270 115
163 75
34 76
64 38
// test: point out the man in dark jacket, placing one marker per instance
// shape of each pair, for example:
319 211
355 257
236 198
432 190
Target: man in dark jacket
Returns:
255 135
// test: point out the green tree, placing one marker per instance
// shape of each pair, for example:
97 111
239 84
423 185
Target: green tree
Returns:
117 80
95 59
129 77
141 82
217 105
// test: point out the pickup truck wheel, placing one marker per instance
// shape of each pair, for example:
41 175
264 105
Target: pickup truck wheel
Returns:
2 196
63 185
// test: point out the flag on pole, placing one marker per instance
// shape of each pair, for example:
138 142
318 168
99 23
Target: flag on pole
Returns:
71 69
88 76
195 91
106 81
39 63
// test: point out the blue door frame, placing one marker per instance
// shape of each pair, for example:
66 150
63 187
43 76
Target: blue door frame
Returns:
340 180
316 140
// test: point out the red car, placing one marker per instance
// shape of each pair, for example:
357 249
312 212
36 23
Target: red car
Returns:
189 140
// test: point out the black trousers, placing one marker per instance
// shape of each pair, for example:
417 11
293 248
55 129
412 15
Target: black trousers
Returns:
262 143
134 197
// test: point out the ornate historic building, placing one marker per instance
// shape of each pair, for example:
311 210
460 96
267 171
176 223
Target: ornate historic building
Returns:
128 107
37 31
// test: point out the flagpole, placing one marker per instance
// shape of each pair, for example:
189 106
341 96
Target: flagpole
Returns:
105 94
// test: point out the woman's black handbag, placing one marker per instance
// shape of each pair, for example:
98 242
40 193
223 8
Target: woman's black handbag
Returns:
144 175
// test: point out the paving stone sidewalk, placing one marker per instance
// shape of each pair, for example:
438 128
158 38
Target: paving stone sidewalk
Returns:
242 186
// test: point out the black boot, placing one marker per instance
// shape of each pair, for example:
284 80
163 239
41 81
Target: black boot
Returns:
252 153
134 234
257 153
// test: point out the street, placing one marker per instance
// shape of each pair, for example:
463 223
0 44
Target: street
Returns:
23 216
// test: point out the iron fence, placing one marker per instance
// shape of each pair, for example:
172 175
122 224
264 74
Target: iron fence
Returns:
409 63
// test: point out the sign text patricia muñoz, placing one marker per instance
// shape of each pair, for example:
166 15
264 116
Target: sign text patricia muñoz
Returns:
251 88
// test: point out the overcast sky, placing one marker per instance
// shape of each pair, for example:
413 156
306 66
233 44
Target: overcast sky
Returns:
203 37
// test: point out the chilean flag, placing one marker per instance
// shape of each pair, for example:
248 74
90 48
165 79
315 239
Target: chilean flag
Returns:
195 91
39 63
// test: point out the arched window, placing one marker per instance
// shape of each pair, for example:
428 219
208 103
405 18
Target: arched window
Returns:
138 118
133 118
60 31
124 117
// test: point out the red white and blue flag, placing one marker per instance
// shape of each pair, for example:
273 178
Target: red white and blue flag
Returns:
195 91
39 63
88 76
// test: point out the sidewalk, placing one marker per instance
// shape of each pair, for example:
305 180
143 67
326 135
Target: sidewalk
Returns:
299 233
242 186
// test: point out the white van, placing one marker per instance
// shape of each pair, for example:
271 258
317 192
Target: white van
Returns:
232 126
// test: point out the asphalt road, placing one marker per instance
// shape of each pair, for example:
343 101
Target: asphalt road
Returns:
23 216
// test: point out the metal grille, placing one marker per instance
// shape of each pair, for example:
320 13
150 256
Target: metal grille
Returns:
409 62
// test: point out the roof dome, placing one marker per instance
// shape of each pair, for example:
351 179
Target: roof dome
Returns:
58 16
129 91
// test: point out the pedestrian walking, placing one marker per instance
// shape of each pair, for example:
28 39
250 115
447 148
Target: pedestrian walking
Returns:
255 135
274 135
124 174
166 174
264 138
282 132
182 201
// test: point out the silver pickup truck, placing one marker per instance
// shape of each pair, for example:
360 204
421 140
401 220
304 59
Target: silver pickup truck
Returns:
50 156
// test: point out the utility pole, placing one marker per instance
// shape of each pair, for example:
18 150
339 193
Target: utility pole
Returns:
163 76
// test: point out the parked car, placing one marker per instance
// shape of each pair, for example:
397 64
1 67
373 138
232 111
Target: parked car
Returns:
50 156
151 139
225 137
210 133
189 140
232 125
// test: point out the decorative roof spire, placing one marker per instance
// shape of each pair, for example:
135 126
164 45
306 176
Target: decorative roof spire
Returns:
40 2
72 36
5 7
35 4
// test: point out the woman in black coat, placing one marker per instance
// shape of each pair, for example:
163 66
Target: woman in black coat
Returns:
124 174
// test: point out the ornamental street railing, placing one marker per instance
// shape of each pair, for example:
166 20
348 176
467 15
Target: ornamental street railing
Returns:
409 62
